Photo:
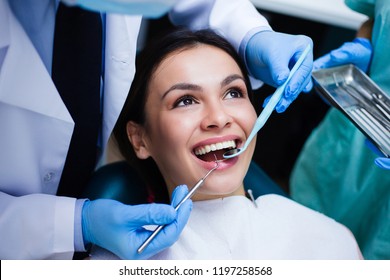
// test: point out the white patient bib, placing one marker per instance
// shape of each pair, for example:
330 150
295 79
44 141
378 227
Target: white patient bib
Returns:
279 228
233 228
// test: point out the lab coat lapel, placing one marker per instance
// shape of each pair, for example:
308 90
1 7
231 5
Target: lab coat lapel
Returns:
121 47
24 73
4 34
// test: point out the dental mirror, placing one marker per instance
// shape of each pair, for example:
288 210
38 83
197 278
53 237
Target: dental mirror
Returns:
267 111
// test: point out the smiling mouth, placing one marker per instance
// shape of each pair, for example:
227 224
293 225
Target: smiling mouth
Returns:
216 150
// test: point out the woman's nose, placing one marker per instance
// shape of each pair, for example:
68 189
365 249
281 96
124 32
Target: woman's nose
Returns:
216 117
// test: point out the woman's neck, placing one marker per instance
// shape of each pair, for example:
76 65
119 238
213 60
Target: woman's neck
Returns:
199 196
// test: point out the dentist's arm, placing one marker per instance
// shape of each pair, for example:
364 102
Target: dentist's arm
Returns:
41 226
269 56
36 226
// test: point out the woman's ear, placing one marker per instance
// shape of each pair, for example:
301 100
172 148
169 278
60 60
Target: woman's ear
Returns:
135 134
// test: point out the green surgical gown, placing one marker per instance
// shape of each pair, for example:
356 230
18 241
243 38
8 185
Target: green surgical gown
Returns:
335 172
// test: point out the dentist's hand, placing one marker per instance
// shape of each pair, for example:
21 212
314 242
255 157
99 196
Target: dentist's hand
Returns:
383 162
270 56
119 228
357 52
380 161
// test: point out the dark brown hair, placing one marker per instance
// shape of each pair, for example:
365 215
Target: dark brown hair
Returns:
134 109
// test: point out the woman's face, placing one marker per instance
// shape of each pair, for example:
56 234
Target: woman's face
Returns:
197 106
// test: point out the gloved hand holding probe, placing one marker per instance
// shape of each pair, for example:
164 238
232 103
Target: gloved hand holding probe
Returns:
268 61
119 228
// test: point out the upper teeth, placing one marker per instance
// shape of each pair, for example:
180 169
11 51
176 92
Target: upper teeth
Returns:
214 147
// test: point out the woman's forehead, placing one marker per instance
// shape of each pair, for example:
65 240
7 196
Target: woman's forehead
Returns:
198 60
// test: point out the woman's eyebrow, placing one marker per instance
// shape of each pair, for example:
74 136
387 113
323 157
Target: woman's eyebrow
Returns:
230 79
188 86
181 86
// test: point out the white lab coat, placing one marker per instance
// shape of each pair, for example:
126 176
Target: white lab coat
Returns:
36 128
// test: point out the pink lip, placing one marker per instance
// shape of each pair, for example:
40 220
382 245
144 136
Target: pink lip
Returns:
222 165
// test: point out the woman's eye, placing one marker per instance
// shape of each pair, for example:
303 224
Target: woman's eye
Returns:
184 101
233 93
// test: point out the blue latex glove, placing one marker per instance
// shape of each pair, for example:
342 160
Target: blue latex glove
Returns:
119 228
357 52
270 56
381 161
151 9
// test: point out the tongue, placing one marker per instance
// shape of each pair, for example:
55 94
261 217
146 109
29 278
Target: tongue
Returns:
210 156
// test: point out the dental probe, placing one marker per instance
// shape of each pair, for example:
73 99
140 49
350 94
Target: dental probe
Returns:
188 196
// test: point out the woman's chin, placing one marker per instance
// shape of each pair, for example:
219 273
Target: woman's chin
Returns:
213 190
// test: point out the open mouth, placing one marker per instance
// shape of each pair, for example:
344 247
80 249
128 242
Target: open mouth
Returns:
216 150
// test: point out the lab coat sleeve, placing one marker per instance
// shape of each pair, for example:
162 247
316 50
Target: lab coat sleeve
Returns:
232 19
49 221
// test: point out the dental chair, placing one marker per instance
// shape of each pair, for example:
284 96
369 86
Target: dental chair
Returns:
120 182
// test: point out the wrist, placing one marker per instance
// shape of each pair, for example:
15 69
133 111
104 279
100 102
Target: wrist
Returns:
246 49
364 42
78 239
85 224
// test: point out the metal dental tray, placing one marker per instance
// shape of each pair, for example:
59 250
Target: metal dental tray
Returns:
352 92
